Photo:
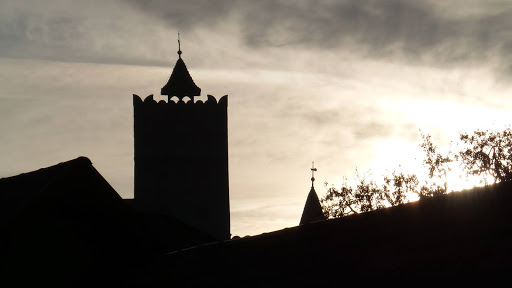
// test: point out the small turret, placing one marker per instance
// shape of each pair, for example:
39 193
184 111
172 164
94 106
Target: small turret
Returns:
312 210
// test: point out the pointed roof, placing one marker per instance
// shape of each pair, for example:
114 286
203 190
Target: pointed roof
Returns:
312 210
180 83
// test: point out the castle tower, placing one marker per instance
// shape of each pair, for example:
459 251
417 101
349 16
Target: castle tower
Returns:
181 156
312 209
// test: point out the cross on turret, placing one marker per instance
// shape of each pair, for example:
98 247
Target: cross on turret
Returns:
313 169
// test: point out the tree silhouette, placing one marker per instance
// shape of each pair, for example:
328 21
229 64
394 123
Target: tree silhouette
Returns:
438 168
398 186
338 202
367 195
484 153
487 153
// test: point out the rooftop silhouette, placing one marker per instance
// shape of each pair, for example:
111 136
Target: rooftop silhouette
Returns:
454 238
66 225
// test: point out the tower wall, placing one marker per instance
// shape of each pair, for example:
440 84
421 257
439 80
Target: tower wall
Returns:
181 162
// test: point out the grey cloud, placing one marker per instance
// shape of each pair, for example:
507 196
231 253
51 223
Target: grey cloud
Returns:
76 31
423 32
186 14
412 31
406 29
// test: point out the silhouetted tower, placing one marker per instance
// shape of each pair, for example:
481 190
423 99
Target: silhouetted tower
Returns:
312 210
181 155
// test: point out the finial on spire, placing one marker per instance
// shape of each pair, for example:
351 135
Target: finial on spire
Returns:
179 45
313 169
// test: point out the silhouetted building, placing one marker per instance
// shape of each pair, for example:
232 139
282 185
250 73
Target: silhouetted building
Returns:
65 226
312 209
181 156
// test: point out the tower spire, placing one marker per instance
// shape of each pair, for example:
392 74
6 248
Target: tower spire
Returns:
180 83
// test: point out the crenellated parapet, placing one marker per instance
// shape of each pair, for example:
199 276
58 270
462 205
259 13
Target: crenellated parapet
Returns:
223 101
182 125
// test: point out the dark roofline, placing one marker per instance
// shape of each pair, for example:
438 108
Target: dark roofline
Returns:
82 160
453 234
19 191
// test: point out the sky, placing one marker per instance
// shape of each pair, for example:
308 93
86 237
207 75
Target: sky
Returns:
346 84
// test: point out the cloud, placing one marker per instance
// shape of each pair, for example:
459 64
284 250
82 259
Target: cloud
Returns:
426 32
430 33
410 30
80 31
187 15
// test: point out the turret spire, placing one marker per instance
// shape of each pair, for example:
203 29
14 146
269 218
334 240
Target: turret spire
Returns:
180 83
312 210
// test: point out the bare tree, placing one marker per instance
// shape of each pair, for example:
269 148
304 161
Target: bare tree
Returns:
483 153
487 153
397 186
367 195
438 168
338 202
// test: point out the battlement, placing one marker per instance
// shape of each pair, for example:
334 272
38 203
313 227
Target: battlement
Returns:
223 101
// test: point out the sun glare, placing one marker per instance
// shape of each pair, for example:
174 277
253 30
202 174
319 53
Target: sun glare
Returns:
458 180
400 156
